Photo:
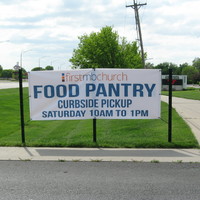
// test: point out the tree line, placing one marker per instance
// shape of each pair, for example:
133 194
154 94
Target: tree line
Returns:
13 74
106 49
192 71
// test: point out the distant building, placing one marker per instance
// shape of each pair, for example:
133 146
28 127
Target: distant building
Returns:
179 82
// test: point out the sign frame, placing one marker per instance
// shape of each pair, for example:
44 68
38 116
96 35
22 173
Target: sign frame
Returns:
95 94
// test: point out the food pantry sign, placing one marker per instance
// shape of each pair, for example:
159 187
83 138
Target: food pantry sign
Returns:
95 93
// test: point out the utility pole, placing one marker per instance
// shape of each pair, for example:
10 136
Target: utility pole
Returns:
136 7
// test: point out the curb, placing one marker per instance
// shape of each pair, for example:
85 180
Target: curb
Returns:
98 155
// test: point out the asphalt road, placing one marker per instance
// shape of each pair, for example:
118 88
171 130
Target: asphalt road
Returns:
11 84
33 180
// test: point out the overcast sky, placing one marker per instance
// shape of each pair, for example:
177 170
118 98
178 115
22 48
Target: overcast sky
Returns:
46 31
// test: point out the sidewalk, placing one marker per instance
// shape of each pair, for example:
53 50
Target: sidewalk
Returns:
189 110
97 155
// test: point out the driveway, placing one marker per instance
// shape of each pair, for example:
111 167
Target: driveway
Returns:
189 110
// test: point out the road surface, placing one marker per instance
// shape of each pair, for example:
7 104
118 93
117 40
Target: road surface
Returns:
35 180
11 84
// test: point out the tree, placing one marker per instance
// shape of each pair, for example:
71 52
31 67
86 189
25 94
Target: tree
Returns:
196 63
149 65
49 67
129 55
192 74
7 73
181 67
104 50
166 66
1 69
37 69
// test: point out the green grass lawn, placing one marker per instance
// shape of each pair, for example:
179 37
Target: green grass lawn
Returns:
78 133
188 94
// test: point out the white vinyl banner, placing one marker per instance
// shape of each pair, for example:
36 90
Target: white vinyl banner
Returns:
95 93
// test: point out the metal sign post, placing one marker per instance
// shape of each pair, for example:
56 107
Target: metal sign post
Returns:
94 126
94 130
17 67
170 108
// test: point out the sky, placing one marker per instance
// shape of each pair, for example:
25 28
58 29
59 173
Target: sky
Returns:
45 32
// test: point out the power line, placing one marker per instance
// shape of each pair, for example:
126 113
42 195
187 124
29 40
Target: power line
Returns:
136 7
